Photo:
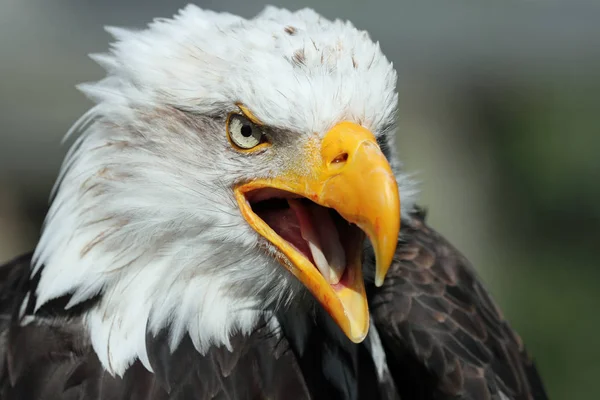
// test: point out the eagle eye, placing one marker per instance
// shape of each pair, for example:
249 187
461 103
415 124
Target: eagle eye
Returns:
243 133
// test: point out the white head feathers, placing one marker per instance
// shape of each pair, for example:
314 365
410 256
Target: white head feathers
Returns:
295 69
144 211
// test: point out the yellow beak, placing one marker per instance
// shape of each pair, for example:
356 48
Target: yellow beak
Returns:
347 172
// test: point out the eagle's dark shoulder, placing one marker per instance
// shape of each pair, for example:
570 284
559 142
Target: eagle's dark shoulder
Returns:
48 356
443 334
42 356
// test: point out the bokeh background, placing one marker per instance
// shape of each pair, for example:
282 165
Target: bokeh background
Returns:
499 121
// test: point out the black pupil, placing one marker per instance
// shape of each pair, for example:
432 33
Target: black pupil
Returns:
246 130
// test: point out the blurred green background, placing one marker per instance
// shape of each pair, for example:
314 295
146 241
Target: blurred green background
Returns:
499 121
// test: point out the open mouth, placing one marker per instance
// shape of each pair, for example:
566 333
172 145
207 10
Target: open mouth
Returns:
319 234
318 216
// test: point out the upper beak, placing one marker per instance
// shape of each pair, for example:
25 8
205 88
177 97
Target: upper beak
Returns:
349 173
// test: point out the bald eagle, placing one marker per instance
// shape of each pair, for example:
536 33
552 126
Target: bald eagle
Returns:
232 222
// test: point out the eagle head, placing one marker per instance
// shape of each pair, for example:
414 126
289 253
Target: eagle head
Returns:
228 167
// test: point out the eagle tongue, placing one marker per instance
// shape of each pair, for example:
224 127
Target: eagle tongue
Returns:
319 231
285 223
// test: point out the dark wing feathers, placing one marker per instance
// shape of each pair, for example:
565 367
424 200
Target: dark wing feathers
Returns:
433 312
253 370
258 367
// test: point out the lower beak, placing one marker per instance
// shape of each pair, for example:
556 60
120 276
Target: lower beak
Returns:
351 175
